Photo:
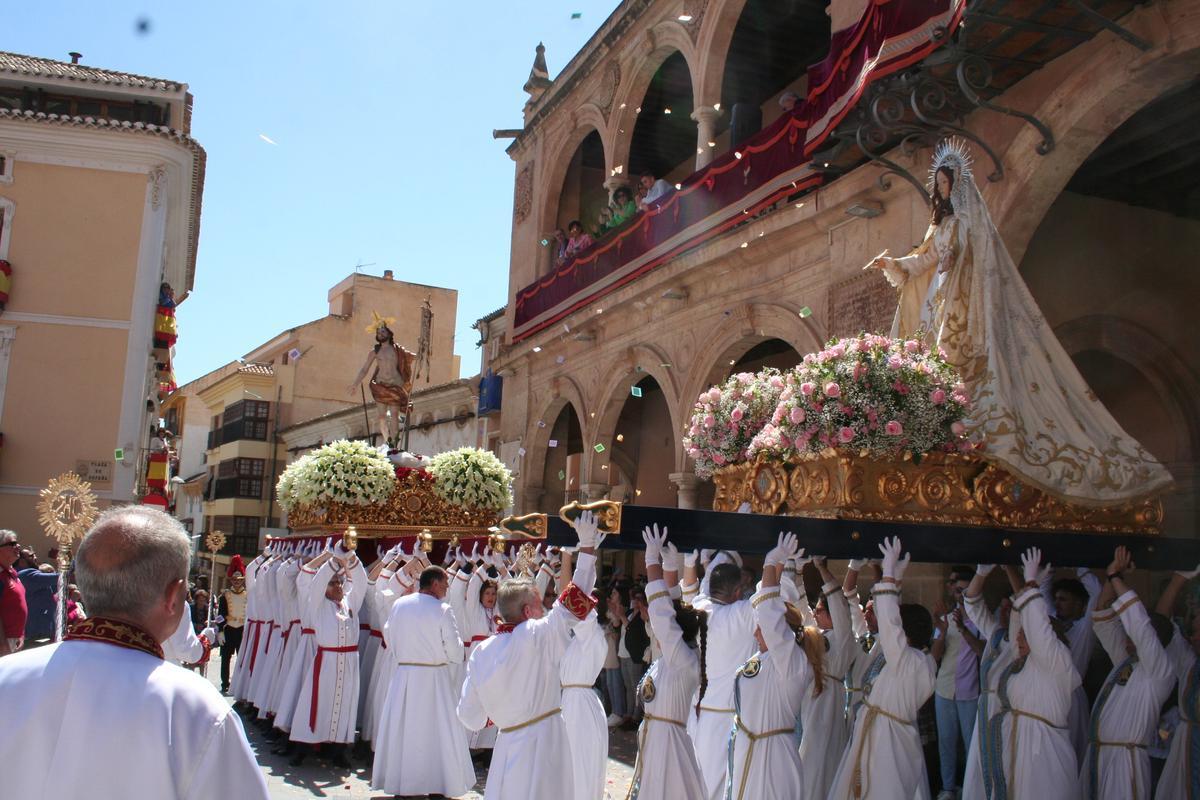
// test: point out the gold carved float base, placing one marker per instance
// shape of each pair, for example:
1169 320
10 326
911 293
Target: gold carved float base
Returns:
944 488
412 508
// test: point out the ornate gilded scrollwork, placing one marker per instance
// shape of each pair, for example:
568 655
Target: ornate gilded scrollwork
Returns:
768 487
529 526
608 514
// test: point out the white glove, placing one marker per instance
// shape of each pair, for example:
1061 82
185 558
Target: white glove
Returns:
654 543
706 556
210 635
983 570
587 531
474 552
1188 574
893 564
856 564
690 559
460 560
1031 561
786 548
801 560
672 560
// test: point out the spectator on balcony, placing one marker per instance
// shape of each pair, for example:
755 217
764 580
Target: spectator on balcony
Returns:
656 189
560 247
623 207
789 102
604 221
580 239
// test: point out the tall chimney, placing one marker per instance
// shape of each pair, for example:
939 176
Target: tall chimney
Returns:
388 274
75 56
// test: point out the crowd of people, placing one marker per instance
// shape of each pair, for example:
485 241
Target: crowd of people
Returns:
740 684
648 193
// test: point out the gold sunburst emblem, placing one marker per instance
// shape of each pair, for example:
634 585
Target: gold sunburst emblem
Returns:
67 508
214 541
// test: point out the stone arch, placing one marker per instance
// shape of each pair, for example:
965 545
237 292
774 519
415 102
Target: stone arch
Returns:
662 42
587 118
1167 375
638 362
716 35
1084 96
566 392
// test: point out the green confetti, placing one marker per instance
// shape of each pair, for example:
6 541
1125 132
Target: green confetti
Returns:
561 475
577 15
636 391
805 312
599 448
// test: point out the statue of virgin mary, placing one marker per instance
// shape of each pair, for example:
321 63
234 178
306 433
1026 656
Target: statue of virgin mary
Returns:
1030 407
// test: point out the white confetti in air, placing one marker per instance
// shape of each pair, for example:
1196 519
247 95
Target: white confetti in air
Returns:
268 139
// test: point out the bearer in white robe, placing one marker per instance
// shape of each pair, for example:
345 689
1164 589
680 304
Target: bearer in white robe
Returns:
1034 699
666 765
101 715
1181 772
251 633
764 761
327 708
1127 709
289 609
300 656
370 636
998 630
582 711
480 621
268 660
730 643
390 588
513 679
421 748
868 655
186 647
884 758
1074 614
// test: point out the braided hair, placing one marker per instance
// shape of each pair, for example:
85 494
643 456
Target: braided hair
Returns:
703 659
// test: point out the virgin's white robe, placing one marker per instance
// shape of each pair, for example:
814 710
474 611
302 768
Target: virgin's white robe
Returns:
666 767
768 695
582 711
289 630
998 653
824 717
336 626
238 682
513 679
1042 764
90 719
1126 722
300 656
421 748
884 759
1176 780
184 646
730 642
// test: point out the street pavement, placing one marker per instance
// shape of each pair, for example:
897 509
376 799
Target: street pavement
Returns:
318 778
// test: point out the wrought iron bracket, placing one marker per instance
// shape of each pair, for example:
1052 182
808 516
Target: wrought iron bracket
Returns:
1108 24
974 74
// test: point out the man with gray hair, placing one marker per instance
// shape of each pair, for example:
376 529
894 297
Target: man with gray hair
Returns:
14 611
142 727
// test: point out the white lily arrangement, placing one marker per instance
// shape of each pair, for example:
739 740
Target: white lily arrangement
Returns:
472 478
340 472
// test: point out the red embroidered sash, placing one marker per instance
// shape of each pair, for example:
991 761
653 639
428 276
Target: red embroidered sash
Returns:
112 631
507 627
312 711
577 601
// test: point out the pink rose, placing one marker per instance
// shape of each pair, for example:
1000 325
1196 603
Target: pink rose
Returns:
693 451
797 415
807 388
837 351
937 396
912 346
832 389
718 458
895 361
900 387
777 381
957 428
737 414
893 428
845 434
709 420
714 395
784 441
860 370
777 417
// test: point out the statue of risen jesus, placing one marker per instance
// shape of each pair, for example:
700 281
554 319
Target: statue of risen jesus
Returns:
391 383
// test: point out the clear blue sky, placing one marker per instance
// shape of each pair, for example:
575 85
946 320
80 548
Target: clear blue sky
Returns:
382 114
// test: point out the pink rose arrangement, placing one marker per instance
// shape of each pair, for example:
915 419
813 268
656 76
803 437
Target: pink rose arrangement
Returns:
726 418
870 394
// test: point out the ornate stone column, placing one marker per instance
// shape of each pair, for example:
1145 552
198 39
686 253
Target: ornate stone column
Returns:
686 483
706 131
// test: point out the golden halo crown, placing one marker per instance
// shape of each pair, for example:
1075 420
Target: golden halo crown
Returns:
378 322
954 154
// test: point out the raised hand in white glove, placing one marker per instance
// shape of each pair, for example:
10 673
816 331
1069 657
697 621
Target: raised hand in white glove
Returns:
891 549
690 559
706 556
856 564
983 570
801 560
1031 561
1188 574
654 540
587 530
474 552
787 547
672 560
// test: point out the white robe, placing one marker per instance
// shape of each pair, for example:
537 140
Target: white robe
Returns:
1043 763
769 688
1176 775
97 720
389 589
666 767
421 748
370 636
289 631
582 711
730 642
335 685
825 715
251 633
1080 641
479 624
184 646
299 656
1126 720
998 653
267 667
884 758
513 679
